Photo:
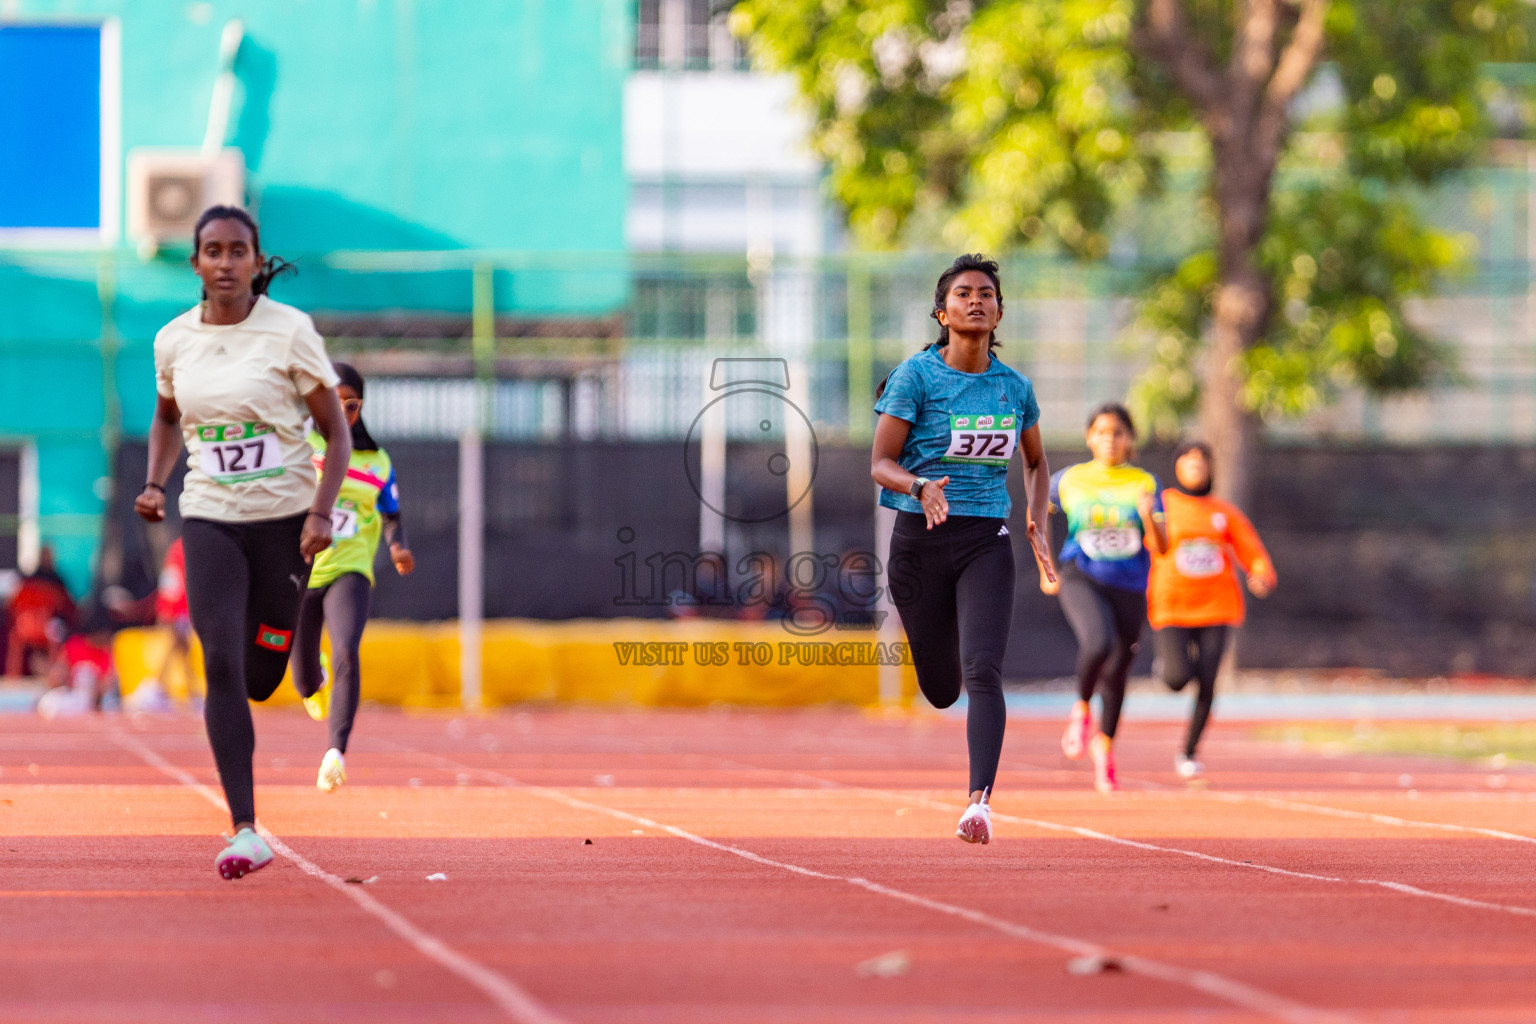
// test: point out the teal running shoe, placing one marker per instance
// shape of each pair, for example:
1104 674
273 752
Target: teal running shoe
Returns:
245 853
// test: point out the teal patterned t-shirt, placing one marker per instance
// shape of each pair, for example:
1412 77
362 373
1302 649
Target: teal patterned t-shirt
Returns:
965 426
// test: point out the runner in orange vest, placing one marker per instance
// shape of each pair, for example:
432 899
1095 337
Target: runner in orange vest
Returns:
1193 597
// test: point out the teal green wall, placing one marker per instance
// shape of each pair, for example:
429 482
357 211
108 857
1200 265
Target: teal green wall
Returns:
366 124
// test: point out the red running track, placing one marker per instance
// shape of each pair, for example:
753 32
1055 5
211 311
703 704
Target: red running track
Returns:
753 867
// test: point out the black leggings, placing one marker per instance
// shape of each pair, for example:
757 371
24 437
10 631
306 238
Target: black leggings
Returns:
1107 622
244 582
1193 653
340 606
953 586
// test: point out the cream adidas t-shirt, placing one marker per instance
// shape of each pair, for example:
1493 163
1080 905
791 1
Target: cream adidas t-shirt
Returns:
241 388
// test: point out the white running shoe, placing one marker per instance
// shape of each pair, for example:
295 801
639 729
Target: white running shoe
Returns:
333 771
1188 767
976 824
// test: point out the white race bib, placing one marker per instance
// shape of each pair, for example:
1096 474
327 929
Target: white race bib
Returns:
982 440
235 452
343 523
1110 543
1199 559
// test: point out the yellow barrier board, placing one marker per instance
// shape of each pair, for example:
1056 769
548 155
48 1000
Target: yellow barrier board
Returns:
602 662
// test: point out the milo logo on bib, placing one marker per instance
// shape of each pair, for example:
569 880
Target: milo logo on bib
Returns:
984 440
232 453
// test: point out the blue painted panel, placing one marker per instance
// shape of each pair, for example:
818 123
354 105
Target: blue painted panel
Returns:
50 126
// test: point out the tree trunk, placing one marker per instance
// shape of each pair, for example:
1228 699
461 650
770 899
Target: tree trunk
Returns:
1225 424
1243 110
1243 302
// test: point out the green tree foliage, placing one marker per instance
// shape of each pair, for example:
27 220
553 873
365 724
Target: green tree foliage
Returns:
1050 123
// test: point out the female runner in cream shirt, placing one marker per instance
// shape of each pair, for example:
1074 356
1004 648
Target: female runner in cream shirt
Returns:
236 375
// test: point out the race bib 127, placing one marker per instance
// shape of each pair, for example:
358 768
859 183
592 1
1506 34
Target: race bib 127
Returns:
986 440
232 453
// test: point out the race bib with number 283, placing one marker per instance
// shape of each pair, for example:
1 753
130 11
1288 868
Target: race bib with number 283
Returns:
1110 544
235 452
982 440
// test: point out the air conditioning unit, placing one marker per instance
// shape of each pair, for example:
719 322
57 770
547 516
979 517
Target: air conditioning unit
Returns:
169 188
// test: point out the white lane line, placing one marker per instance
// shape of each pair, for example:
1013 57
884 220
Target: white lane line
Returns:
1208 982
515 1002
1400 887
1380 819
1088 833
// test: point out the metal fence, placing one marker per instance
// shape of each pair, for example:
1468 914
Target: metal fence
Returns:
450 339
844 320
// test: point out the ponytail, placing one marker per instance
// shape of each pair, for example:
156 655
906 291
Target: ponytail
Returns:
271 267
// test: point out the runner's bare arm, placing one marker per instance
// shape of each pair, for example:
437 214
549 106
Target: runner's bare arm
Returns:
399 547
331 422
890 434
1037 485
164 447
1152 524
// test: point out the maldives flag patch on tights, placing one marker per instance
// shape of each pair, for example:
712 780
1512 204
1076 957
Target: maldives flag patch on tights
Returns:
273 639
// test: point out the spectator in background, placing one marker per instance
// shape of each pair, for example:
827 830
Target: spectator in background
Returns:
81 672
171 613
41 614
10 580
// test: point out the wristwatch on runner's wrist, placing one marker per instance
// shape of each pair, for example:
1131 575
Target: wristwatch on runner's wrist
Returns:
916 490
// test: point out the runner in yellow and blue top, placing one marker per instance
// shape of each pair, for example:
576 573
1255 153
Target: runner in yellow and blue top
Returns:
1114 513
951 417
341 583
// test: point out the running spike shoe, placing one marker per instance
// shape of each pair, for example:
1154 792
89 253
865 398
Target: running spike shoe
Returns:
1104 778
318 704
333 771
1188 767
245 853
1079 727
976 824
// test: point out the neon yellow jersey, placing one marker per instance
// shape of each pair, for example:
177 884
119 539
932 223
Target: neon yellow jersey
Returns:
367 495
1104 530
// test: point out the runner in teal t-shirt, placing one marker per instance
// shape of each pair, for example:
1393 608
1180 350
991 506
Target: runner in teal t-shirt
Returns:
951 418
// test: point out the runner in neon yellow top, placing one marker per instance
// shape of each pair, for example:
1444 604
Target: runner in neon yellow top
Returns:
341 583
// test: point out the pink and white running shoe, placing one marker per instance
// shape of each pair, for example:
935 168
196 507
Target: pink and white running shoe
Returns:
976 823
1074 740
1104 778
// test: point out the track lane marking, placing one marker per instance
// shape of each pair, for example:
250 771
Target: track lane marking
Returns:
1088 833
503 992
1380 819
1208 982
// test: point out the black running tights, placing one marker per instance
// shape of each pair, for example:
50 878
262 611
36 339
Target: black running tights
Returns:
341 607
244 582
1107 622
1193 653
953 587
